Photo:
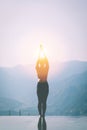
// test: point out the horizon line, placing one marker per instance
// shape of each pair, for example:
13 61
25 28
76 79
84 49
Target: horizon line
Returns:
30 64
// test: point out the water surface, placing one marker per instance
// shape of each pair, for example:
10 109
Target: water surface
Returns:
52 123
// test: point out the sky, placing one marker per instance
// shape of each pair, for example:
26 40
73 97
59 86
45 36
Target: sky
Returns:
60 25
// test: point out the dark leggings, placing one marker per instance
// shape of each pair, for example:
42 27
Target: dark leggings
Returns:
42 93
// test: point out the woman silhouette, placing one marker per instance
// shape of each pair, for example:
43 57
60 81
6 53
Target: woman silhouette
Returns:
42 67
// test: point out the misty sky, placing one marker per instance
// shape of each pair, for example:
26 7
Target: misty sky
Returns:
60 25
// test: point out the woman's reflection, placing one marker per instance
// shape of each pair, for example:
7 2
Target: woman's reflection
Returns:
42 124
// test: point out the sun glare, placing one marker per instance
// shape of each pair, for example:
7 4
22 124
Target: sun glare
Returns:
42 53
54 53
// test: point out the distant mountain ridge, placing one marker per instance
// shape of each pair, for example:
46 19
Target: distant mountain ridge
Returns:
68 89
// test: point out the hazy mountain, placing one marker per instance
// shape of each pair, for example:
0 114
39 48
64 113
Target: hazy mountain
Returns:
71 96
17 84
68 89
67 69
9 104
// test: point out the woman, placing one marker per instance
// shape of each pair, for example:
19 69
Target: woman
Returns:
42 67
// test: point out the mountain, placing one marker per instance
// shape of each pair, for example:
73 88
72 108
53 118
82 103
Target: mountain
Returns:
68 89
69 68
9 106
17 84
71 96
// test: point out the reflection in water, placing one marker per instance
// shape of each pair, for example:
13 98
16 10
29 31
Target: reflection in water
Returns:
42 124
